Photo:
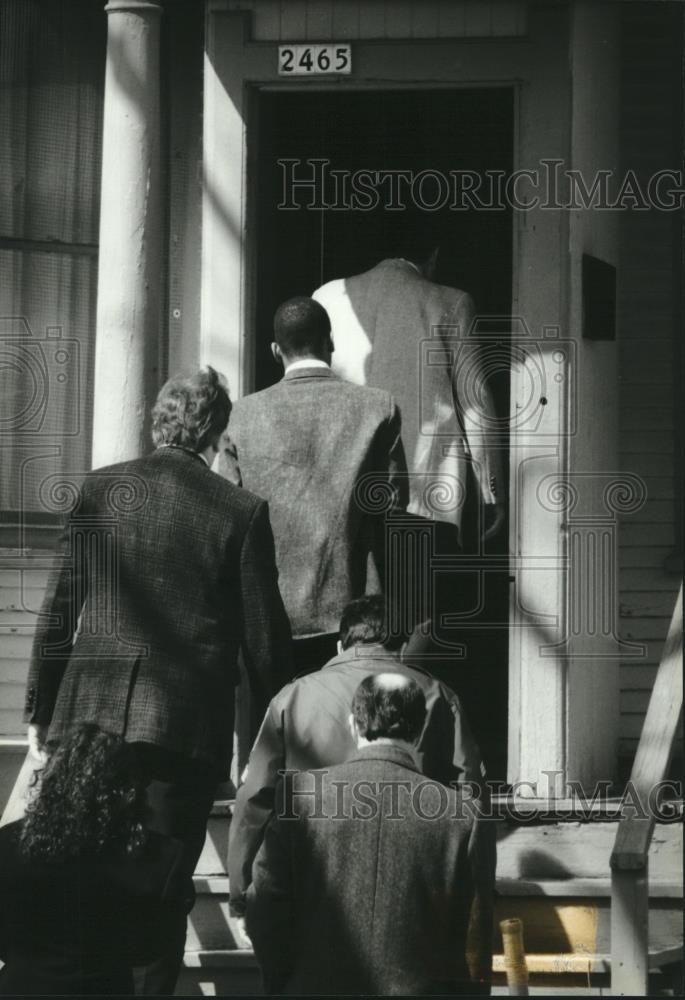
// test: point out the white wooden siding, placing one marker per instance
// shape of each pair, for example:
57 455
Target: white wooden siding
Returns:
21 593
348 20
647 292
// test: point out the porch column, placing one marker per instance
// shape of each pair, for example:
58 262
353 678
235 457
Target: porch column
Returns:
128 304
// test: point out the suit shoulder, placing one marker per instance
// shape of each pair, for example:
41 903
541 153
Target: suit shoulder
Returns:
129 476
295 688
317 779
233 507
252 399
237 497
245 408
368 397
312 688
118 468
335 288
451 299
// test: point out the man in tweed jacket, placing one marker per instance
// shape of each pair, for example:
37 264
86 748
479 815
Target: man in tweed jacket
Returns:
395 328
373 880
165 572
312 445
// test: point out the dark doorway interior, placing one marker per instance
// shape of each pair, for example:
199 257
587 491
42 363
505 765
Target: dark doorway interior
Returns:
297 250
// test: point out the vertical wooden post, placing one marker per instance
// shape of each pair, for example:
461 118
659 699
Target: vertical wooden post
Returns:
514 957
629 858
128 307
629 932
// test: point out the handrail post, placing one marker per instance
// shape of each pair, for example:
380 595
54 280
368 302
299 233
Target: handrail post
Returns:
629 858
629 932
514 957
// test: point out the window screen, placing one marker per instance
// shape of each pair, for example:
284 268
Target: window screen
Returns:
52 58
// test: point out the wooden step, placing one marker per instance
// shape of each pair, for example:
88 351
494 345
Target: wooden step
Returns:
219 973
534 850
236 973
567 888
563 917
210 926
553 875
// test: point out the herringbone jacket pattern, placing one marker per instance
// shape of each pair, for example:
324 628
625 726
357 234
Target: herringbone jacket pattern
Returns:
164 572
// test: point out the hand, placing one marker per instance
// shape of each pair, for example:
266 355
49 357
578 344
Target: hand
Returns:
496 514
37 736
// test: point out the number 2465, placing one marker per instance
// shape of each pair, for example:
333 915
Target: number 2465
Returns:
323 60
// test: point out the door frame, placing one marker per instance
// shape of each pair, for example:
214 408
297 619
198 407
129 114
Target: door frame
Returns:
536 66
254 91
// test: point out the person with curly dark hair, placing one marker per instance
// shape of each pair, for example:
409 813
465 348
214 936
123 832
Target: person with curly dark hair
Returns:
86 890
166 573
92 791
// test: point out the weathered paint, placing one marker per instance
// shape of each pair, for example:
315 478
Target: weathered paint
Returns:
537 68
129 283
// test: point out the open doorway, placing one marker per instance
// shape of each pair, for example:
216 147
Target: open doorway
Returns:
447 132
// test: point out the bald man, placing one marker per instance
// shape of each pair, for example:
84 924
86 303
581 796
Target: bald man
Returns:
372 879
307 726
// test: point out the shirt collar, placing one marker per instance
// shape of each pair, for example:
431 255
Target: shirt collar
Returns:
306 363
362 653
411 264
188 451
386 752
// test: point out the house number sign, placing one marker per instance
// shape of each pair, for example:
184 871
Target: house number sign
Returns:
314 60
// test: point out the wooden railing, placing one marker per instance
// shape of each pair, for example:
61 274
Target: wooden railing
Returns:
629 858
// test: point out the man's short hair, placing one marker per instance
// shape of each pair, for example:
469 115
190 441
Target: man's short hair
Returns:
383 709
301 327
365 621
191 410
